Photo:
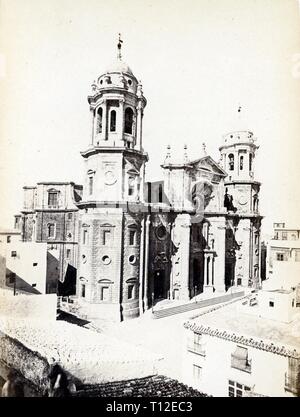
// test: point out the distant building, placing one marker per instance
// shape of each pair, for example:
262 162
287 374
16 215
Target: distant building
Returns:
283 257
25 265
50 216
247 348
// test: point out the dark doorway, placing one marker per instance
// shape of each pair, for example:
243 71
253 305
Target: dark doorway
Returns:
159 280
197 281
229 274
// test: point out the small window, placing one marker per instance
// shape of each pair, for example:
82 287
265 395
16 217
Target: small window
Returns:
280 257
271 303
99 120
85 237
13 254
129 121
284 235
12 278
293 302
131 183
130 294
250 161
70 216
82 290
132 234
241 163
34 264
104 294
239 281
231 162
197 373
113 117
160 193
132 259
33 285
8 239
52 199
91 185
106 237
106 260
51 230
161 232
237 390
68 253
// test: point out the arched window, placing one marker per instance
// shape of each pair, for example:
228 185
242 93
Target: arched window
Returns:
231 162
99 120
128 121
51 230
241 163
255 203
250 161
113 117
91 185
131 185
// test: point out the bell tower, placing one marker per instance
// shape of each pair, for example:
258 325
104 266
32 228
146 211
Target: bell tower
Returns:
114 158
241 200
112 216
117 105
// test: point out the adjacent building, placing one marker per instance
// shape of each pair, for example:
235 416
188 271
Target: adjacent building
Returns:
50 216
246 348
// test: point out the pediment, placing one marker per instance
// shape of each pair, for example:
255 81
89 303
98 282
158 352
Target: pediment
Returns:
209 165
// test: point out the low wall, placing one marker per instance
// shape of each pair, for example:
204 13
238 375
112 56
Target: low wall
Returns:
41 307
32 366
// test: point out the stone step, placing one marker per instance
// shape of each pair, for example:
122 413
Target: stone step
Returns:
170 311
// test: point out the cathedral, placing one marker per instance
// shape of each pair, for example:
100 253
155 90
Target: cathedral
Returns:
129 242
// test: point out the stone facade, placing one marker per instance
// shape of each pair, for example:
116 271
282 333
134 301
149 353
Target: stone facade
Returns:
50 215
197 230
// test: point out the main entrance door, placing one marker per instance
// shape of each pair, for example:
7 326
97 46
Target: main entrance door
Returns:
159 280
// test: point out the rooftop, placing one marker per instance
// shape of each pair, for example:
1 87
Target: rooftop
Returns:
231 323
89 356
152 386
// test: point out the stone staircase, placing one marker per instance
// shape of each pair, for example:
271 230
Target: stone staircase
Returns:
183 308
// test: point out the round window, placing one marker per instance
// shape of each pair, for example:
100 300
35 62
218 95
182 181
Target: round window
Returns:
129 82
132 259
106 260
161 232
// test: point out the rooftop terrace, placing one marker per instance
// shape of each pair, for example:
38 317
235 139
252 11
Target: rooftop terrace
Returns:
231 323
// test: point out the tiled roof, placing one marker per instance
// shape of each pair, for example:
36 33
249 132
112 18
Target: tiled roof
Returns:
152 386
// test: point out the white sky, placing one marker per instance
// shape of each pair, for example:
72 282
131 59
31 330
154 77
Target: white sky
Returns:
198 60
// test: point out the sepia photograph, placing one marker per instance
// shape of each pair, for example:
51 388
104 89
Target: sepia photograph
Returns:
150 200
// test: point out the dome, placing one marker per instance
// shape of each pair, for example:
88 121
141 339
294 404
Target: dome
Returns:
119 66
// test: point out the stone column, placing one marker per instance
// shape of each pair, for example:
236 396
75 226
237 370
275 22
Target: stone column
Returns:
208 273
139 123
104 120
219 261
120 127
147 232
92 111
185 221
142 264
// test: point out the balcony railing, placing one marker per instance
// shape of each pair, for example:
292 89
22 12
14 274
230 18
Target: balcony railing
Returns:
241 364
292 384
196 348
